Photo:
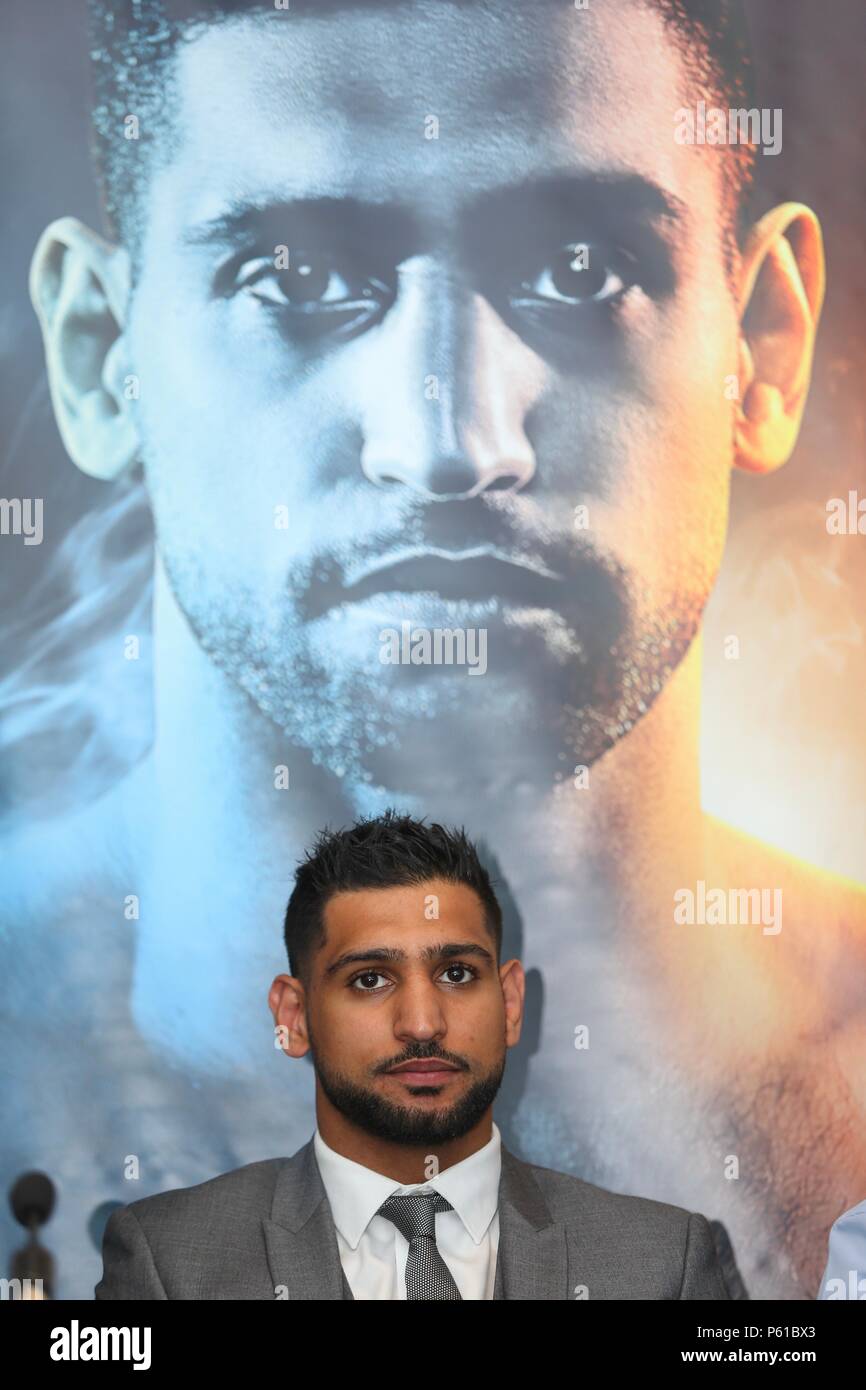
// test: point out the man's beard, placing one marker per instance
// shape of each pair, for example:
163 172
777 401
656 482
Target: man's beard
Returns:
406 1124
367 724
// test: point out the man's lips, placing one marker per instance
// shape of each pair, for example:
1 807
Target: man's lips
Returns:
479 583
467 577
429 1067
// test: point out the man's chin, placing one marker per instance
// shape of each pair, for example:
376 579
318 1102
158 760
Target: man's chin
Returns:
533 702
430 1121
414 729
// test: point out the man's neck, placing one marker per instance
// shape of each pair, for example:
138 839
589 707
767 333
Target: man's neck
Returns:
631 822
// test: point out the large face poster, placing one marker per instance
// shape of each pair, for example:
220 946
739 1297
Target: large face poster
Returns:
454 407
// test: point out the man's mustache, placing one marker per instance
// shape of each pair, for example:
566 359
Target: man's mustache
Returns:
561 573
473 574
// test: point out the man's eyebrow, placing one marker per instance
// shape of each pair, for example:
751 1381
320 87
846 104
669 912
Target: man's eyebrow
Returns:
441 950
353 218
611 191
611 194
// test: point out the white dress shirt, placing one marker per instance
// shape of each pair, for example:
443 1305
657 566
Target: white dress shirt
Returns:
373 1252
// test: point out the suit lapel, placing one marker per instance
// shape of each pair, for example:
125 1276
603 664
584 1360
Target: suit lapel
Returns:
301 1242
533 1254
304 1258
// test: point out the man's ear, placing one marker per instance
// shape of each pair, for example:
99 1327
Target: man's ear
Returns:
781 294
79 287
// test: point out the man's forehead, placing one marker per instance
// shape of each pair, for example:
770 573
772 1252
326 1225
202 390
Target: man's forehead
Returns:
390 900
342 105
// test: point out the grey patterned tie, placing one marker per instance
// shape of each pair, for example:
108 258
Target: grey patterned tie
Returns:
414 1215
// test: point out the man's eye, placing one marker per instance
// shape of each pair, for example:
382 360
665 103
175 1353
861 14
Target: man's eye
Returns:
310 282
368 975
473 974
579 273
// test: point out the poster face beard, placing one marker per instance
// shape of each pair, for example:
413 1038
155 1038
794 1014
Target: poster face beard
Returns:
569 684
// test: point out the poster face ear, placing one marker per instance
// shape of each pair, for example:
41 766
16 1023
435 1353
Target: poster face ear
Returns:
79 287
782 291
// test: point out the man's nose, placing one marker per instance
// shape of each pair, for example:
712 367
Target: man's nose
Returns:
444 405
418 1012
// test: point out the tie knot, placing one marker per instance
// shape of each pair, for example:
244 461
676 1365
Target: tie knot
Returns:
414 1214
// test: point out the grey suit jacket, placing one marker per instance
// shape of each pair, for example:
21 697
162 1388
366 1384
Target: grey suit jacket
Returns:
266 1231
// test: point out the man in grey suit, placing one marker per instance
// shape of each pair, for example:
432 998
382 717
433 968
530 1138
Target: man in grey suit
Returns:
406 1190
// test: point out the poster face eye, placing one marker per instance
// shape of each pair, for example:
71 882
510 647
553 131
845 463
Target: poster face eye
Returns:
580 273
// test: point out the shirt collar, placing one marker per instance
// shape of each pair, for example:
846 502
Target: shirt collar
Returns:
355 1193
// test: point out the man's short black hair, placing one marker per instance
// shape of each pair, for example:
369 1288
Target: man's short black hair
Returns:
384 851
132 43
